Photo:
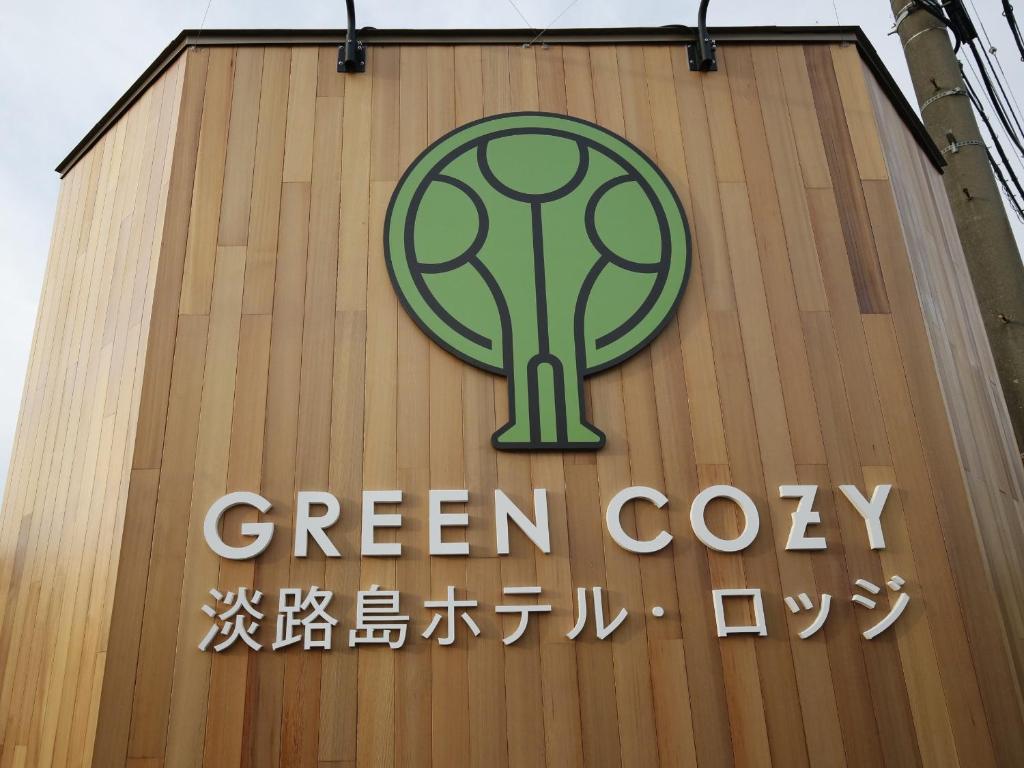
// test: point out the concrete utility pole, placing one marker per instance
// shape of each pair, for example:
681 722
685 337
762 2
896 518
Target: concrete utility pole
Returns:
988 242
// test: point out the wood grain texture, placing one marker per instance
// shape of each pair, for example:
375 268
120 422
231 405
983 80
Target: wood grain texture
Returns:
71 484
217 316
974 467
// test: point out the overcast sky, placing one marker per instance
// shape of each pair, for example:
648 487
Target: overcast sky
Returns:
64 62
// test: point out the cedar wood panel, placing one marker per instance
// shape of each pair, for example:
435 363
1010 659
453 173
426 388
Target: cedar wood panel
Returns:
70 480
217 278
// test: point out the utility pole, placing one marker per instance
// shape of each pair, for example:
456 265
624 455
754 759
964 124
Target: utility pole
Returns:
988 242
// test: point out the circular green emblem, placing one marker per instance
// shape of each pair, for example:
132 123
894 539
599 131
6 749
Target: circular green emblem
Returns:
543 248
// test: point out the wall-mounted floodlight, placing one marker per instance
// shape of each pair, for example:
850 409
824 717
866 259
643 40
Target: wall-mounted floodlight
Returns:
351 55
702 51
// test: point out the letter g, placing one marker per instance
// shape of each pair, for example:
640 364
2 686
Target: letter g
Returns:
263 532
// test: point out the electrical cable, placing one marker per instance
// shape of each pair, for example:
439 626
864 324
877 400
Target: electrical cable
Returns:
1010 194
965 65
1011 22
993 97
936 10
1003 107
992 54
1015 204
976 102
983 93
1004 103
1014 200
954 16
1009 97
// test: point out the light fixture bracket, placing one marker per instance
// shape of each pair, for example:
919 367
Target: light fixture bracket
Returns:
352 53
701 52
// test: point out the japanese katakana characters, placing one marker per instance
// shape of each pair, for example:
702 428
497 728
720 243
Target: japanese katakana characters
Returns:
524 611
377 619
898 607
303 616
240 619
449 605
806 603
603 629
317 620
757 628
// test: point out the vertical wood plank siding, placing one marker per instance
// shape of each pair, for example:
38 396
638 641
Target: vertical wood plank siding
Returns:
72 491
216 316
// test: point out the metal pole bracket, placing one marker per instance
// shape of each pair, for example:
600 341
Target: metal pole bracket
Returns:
352 57
955 146
942 95
701 52
352 53
702 55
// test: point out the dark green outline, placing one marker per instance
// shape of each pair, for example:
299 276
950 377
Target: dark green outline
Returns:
591 278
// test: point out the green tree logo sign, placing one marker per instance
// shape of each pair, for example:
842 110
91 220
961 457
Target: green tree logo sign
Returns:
542 248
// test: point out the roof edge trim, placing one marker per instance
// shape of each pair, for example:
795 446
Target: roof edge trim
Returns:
673 34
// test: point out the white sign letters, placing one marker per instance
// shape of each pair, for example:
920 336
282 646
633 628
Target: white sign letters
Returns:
440 516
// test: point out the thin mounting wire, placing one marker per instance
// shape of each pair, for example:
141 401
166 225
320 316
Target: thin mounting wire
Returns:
202 24
522 15
551 23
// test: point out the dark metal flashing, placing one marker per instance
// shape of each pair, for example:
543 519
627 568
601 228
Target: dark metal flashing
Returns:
673 35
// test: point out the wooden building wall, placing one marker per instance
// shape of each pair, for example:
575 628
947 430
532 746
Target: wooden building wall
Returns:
64 502
977 412
278 359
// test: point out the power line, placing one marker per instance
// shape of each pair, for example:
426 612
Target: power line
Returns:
1004 104
994 97
954 16
992 54
1011 22
1010 192
981 190
1012 189
1008 195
